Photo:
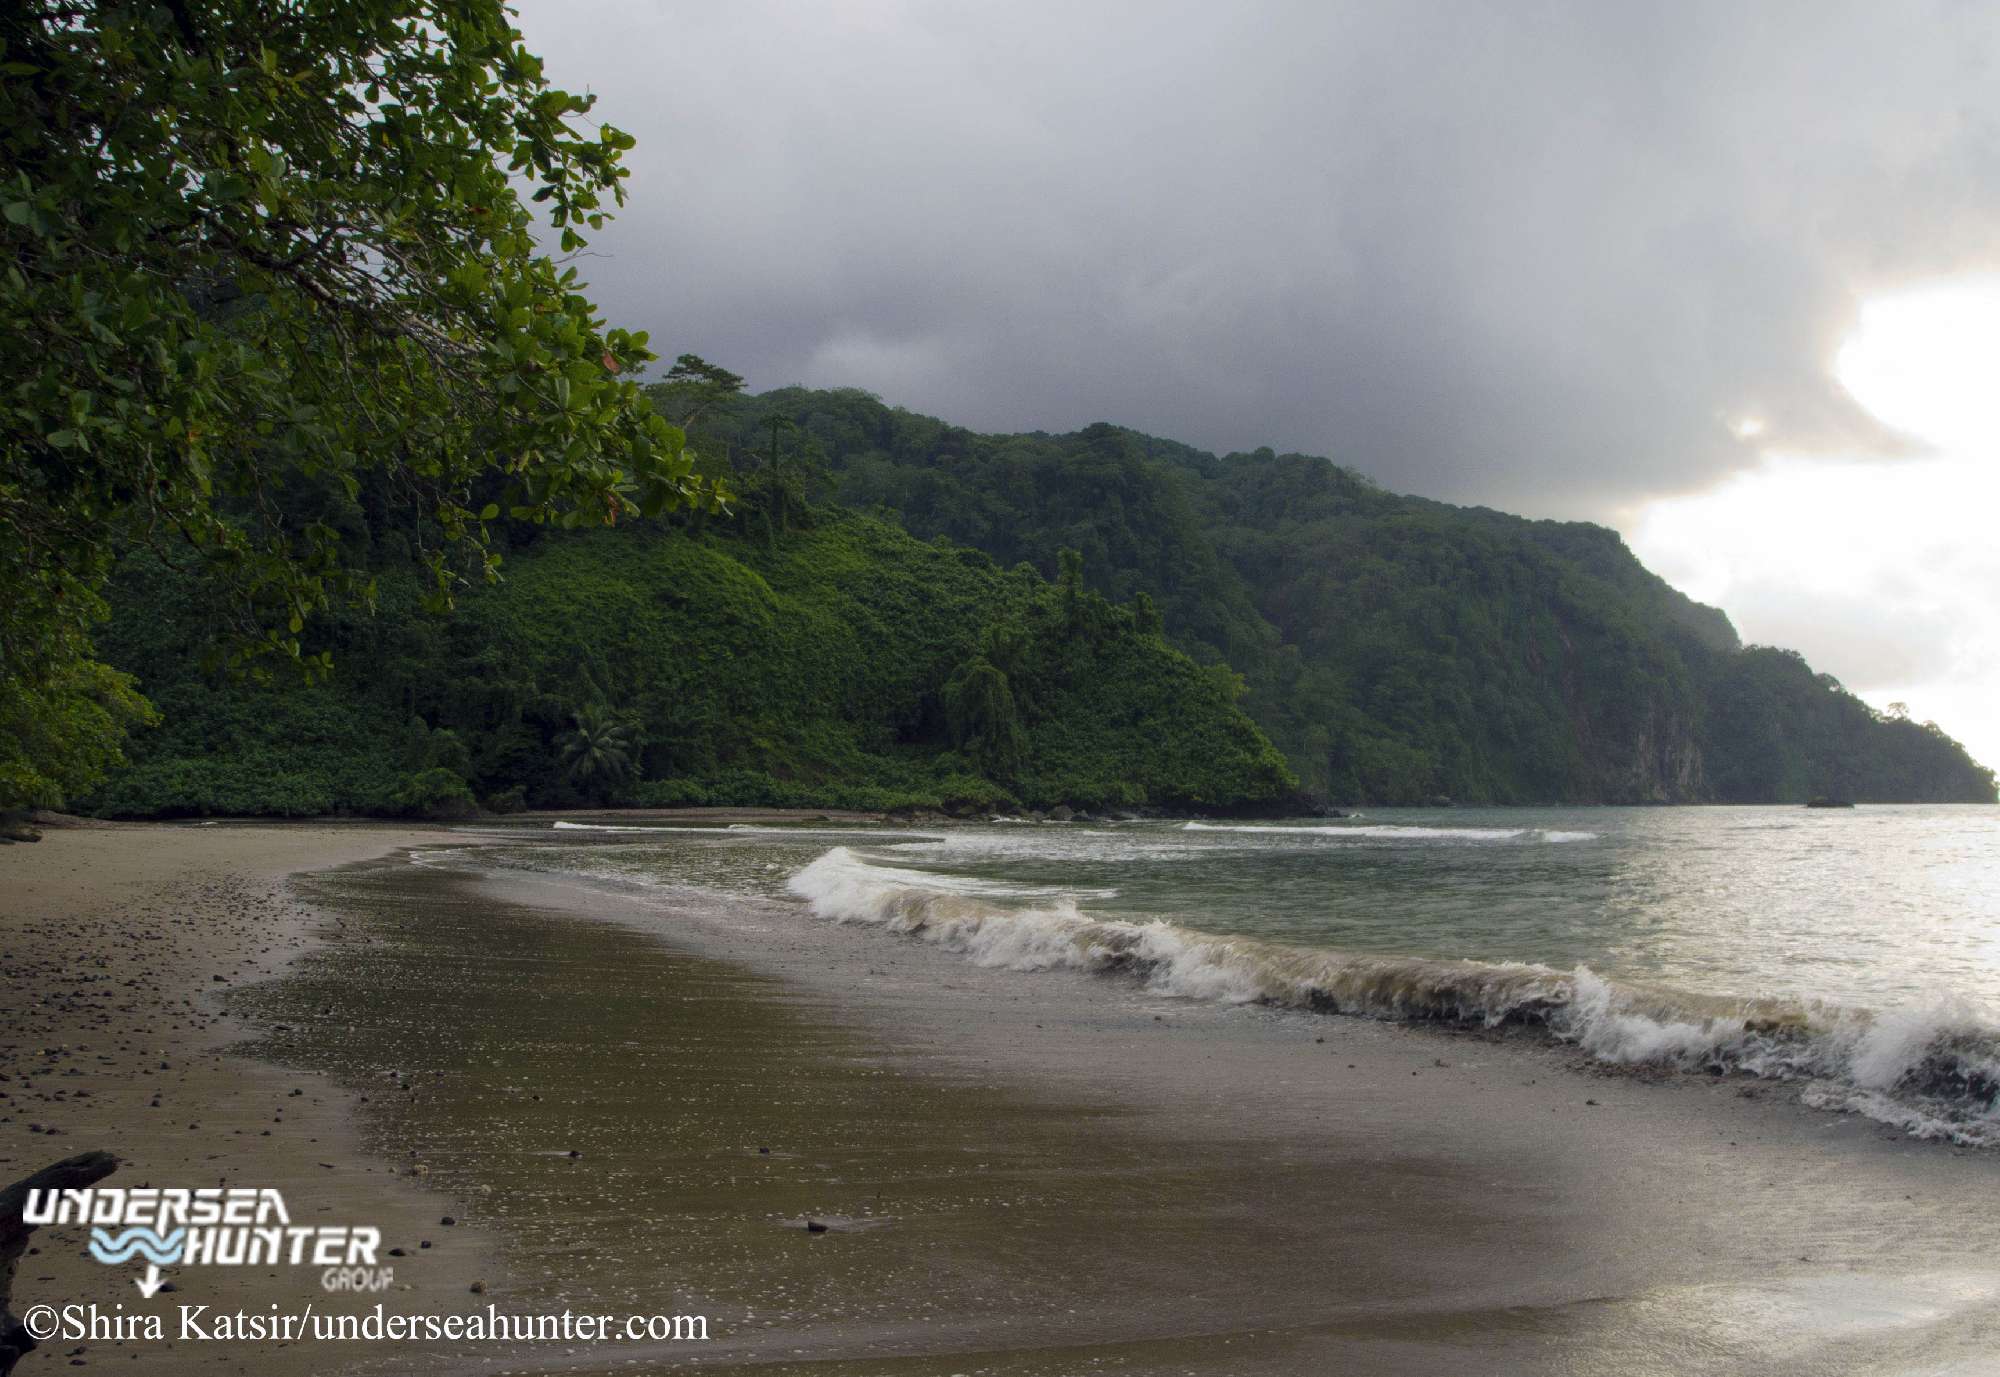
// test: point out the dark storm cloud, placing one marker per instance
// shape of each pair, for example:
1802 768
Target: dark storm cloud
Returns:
1535 255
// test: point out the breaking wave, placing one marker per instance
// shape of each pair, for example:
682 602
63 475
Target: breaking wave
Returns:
1933 1070
675 829
1401 832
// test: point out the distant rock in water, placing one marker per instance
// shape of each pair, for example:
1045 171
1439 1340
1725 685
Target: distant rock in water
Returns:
1822 801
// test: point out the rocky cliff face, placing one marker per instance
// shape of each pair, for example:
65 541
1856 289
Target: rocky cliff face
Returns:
1637 737
1663 763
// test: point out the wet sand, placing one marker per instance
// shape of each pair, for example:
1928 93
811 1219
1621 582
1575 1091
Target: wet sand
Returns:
1059 1173
1044 1174
121 949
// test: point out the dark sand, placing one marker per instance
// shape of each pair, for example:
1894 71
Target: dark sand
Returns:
121 950
1047 1174
1058 1173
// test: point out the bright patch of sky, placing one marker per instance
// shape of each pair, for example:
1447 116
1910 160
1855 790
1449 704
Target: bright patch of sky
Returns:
1883 571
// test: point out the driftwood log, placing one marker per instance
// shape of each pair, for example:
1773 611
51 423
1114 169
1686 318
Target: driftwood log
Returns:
72 1173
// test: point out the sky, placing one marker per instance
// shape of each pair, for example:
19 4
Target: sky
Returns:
1722 276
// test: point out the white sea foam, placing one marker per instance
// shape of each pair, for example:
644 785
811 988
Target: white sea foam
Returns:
1398 832
1932 1069
666 830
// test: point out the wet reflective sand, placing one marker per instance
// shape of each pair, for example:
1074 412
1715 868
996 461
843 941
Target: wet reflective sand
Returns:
1071 1180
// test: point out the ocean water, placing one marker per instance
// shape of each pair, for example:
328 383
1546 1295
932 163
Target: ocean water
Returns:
1857 952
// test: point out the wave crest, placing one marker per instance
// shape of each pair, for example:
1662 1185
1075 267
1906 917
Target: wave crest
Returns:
1399 832
1932 1070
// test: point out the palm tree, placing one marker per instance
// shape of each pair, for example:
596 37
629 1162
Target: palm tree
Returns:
602 749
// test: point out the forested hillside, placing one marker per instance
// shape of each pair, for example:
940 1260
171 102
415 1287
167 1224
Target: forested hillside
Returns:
829 660
301 374
1094 619
1396 649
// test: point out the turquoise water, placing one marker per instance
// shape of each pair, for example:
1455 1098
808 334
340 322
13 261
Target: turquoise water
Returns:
1858 950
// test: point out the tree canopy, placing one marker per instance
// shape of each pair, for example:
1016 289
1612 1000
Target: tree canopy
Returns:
256 248
840 664
1395 648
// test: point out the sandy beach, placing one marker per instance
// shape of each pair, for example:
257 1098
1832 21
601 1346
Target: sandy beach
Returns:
635 1101
123 945
1283 689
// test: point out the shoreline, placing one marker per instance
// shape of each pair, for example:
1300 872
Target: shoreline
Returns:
1215 1187
1437 1188
781 815
905 985
126 945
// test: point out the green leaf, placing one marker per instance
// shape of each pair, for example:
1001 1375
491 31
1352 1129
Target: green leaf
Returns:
188 378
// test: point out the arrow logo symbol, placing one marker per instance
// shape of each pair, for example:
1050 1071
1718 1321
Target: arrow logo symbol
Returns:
151 1282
